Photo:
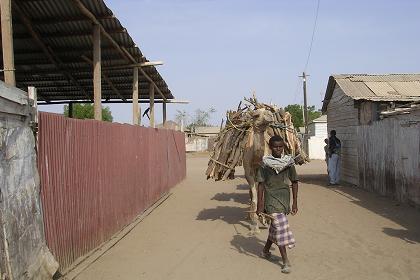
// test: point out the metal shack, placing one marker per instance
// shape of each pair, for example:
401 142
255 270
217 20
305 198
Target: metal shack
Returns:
379 154
95 177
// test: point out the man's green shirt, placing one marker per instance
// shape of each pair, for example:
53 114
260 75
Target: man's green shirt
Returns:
277 188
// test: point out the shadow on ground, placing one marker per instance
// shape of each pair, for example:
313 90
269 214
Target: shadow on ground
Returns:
314 179
251 246
230 214
236 197
404 215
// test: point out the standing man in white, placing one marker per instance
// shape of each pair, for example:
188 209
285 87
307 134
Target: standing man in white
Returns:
334 146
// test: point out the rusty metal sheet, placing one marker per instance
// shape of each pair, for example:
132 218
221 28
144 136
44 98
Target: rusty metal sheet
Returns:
96 177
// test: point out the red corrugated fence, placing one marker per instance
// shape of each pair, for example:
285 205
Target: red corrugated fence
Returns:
96 177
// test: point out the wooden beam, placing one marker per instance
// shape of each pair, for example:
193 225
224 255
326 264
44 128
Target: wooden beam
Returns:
110 83
58 20
59 35
172 101
70 109
152 105
145 74
136 96
63 51
7 42
47 51
120 49
164 112
92 17
97 73
134 65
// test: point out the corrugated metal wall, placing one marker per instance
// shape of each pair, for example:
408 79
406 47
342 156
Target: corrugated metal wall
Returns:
343 117
96 177
389 157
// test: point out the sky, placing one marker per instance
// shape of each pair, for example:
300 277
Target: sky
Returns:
216 52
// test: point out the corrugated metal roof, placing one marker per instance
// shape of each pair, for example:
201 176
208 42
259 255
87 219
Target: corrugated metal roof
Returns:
390 87
207 130
67 33
321 119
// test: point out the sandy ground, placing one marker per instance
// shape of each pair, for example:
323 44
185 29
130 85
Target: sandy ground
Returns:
200 232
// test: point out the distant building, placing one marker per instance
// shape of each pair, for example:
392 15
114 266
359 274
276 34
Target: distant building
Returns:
210 131
317 132
202 139
170 125
378 123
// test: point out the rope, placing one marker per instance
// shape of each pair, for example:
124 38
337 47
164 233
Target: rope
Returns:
282 126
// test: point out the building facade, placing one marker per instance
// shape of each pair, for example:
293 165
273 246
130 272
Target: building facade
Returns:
356 107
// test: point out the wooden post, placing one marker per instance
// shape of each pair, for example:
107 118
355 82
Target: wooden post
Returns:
32 94
7 42
70 109
97 83
305 103
135 96
164 113
152 105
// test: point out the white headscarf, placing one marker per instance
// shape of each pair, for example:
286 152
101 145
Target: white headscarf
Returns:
278 164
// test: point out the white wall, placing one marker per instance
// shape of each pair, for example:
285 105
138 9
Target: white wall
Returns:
316 148
318 132
197 145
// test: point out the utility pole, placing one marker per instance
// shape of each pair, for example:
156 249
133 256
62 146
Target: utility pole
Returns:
305 102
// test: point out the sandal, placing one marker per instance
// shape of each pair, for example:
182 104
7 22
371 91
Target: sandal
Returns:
266 255
286 269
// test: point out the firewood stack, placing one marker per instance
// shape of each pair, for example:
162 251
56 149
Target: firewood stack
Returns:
230 143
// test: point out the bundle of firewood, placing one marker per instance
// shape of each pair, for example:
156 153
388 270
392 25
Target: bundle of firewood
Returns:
240 125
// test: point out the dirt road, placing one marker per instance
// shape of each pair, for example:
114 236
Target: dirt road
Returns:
200 232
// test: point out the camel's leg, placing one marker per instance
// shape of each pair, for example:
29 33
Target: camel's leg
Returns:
254 200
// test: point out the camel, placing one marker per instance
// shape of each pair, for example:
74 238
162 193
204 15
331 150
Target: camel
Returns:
257 146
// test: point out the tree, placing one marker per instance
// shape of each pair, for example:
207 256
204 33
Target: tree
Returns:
200 118
85 111
297 114
181 117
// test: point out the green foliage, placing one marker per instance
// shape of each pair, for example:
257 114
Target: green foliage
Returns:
85 111
297 114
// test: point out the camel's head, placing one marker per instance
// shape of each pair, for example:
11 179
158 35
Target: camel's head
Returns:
262 118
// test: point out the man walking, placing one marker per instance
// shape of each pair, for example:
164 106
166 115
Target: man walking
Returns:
334 147
275 176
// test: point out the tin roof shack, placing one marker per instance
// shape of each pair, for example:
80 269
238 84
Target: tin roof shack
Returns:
375 149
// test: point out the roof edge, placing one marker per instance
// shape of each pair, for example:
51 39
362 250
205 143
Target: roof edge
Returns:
328 93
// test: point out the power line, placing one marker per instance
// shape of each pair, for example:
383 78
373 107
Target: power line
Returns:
313 36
